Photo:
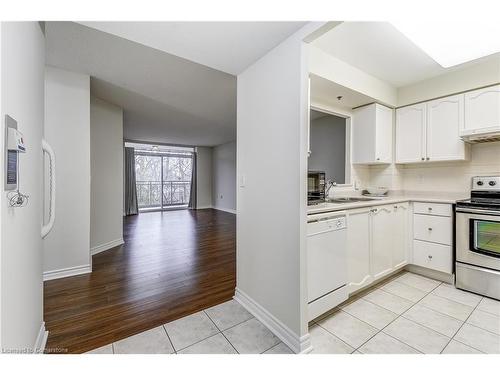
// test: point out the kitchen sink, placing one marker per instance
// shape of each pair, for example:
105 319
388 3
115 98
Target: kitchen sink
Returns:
349 199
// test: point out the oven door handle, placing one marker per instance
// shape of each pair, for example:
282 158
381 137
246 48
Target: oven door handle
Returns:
477 211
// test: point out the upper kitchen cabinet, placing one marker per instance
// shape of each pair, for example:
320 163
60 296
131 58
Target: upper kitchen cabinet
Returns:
445 119
431 131
482 111
372 135
410 133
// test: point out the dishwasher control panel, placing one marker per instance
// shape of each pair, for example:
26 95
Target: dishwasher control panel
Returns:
337 223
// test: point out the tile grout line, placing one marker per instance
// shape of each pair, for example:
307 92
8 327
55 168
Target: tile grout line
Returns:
461 328
333 334
380 330
169 339
222 333
401 315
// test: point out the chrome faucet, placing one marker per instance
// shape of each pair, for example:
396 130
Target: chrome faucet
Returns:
329 185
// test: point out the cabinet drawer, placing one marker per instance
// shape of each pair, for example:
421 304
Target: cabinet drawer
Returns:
431 255
433 228
440 209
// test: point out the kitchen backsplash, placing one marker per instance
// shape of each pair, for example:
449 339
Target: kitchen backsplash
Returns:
439 176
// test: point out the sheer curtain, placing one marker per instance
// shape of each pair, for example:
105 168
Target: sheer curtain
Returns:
192 193
131 207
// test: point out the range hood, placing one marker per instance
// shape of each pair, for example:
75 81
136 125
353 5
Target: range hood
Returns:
491 134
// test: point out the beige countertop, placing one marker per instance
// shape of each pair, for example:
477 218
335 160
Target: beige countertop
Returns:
392 197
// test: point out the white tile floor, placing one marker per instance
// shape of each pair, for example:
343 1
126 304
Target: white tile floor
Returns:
223 329
411 314
408 314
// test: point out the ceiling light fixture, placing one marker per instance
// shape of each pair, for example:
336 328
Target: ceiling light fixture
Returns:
450 42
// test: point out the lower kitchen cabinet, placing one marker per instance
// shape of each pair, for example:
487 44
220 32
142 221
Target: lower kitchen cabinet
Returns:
400 234
358 248
382 240
433 236
377 242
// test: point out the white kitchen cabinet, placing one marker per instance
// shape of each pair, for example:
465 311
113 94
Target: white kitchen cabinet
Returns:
433 256
430 131
372 134
445 119
358 248
400 235
433 236
382 240
377 242
411 125
482 110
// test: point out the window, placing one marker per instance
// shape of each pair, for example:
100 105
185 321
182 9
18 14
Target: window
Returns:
163 177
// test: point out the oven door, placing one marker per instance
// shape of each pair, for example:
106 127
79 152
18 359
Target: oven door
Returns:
478 237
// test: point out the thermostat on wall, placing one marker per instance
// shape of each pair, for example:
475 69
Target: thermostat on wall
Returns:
14 144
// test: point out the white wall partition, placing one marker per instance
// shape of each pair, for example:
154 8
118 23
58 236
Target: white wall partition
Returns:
67 129
22 94
272 116
224 177
106 170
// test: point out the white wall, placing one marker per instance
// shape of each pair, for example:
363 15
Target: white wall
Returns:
22 97
67 129
335 70
204 177
106 171
328 141
272 116
224 177
478 75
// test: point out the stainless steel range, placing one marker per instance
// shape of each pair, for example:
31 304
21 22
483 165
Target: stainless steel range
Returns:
478 238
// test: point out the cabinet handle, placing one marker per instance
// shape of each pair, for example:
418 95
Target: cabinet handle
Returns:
429 228
378 158
429 208
430 256
423 158
428 158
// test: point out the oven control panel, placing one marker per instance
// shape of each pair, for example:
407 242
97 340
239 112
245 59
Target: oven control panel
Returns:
486 183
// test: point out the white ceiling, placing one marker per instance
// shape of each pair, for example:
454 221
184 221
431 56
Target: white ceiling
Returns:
165 98
326 92
381 50
227 46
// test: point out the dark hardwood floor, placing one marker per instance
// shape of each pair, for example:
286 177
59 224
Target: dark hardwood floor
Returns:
172 264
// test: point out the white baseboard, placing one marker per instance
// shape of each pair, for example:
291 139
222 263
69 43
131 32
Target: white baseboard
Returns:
41 340
203 207
106 246
231 211
66 272
437 275
297 344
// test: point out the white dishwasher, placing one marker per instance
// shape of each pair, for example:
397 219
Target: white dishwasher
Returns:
326 261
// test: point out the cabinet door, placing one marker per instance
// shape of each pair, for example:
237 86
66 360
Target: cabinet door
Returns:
364 135
384 124
400 235
445 119
382 241
482 109
358 248
410 133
